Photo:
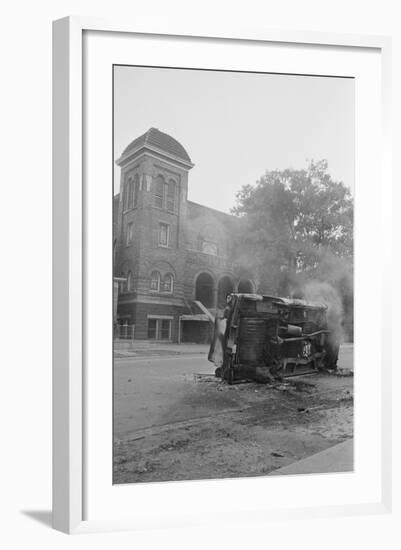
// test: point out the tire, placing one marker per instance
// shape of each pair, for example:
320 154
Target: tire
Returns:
228 370
218 372
330 361
230 376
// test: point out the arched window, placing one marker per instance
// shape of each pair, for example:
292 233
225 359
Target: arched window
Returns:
165 194
171 196
125 194
136 190
167 283
130 194
158 197
130 282
155 281
130 233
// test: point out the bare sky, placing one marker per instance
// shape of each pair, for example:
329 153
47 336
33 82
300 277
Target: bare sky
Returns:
235 126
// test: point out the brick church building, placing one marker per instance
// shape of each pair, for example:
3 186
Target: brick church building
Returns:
172 257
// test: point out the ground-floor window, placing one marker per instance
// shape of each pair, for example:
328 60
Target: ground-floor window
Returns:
124 329
159 329
152 329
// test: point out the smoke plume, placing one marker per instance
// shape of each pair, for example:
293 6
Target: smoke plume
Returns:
322 292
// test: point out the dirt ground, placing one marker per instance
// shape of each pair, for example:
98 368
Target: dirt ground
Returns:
246 429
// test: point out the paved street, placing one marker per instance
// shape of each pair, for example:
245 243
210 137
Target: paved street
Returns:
170 408
157 390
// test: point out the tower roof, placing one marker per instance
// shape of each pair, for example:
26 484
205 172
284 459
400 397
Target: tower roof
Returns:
153 138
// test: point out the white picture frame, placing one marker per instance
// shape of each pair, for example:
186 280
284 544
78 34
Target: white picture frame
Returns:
70 258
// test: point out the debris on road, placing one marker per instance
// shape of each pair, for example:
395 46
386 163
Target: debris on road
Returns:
342 372
185 423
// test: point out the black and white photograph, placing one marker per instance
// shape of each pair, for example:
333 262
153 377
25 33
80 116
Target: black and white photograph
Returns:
201 314
233 286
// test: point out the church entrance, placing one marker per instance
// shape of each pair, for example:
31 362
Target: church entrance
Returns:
245 286
204 289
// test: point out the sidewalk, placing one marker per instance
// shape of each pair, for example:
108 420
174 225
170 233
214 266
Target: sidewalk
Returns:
146 348
149 348
339 458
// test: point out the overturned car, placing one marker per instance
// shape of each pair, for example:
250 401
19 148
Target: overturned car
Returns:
263 338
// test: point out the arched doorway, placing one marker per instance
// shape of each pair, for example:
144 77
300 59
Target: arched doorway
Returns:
204 289
245 286
225 286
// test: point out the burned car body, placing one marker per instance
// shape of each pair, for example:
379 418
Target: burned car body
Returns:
265 337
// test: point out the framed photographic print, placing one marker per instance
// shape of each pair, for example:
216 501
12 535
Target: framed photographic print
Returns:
218 320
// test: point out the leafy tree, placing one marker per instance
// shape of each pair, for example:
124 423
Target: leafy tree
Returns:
290 221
